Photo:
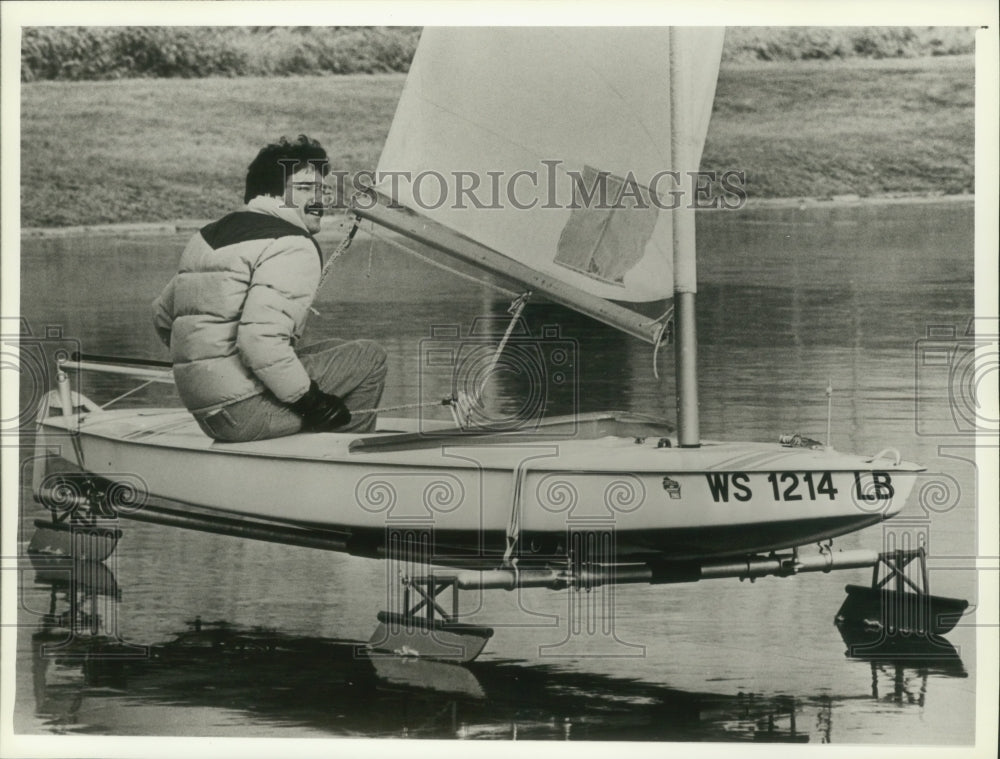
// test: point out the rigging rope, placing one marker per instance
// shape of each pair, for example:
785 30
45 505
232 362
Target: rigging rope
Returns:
515 309
455 402
514 521
461 405
405 406
338 252
663 332
328 266
127 393
513 534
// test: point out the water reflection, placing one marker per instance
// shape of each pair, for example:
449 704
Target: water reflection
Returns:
787 300
901 666
82 674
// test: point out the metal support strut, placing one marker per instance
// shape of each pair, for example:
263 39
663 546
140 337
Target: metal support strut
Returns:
896 604
425 628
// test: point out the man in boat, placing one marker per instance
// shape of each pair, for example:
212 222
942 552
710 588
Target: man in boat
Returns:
232 314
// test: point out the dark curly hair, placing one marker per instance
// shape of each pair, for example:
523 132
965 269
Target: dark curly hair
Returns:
266 173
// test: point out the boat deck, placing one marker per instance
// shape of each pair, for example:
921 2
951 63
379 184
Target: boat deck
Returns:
600 441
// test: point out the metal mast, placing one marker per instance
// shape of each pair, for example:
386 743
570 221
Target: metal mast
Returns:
685 266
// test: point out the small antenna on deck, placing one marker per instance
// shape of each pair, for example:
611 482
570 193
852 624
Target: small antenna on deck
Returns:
829 412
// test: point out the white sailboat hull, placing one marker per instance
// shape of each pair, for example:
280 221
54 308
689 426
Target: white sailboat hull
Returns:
474 494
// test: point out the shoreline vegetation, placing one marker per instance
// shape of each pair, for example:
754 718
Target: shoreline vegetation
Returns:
824 126
75 53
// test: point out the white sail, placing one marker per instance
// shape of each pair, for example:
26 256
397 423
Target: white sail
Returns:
536 115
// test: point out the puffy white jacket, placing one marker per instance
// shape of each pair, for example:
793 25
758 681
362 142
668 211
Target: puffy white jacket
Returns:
232 313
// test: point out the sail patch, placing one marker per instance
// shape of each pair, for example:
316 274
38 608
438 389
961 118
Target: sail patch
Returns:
611 221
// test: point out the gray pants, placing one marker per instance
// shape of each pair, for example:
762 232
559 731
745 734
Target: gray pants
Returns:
354 370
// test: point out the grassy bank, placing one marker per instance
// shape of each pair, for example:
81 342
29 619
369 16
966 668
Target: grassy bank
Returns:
818 129
160 149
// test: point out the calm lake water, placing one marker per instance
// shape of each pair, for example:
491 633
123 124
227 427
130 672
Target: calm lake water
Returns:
789 300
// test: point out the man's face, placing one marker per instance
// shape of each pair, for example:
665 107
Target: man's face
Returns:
304 194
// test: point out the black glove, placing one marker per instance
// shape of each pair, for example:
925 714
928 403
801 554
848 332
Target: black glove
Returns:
320 412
